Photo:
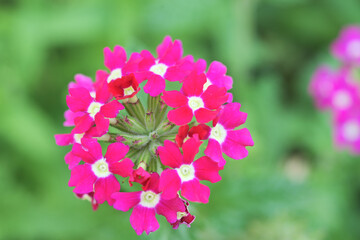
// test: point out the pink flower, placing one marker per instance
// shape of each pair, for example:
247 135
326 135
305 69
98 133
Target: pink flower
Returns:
147 204
201 131
90 198
96 110
347 130
168 65
140 176
186 173
97 174
223 137
347 47
185 218
193 100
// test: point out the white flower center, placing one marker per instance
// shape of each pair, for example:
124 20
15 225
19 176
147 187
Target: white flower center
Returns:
128 91
94 108
351 131
353 49
149 199
159 69
207 84
342 99
195 103
218 133
78 137
186 172
93 94
101 168
115 74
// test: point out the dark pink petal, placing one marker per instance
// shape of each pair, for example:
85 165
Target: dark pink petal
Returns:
82 124
174 98
170 184
82 81
93 147
79 99
180 116
179 71
105 187
147 61
102 124
123 168
143 219
115 59
72 160
231 117
214 97
111 109
164 46
116 151
64 139
193 84
132 64
169 208
102 92
200 66
70 117
235 143
216 74
126 200
82 178
213 150
80 152
194 191
207 169
101 77
190 149
153 183
170 154
155 85
173 55
204 115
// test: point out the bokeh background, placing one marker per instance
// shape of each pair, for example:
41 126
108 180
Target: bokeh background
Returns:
294 184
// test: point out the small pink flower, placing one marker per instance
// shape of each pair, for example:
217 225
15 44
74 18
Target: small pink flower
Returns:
96 110
168 65
140 176
184 218
187 173
147 204
90 198
223 137
347 47
193 100
97 174
347 130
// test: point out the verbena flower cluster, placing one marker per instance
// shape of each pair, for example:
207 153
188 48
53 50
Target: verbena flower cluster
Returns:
165 144
338 90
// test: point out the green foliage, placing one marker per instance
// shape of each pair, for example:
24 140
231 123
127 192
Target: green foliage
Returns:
293 185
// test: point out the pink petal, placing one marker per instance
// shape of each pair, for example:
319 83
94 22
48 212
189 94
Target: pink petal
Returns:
170 184
126 200
213 150
190 149
194 191
214 97
180 116
79 99
153 183
170 154
80 152
72 160
235 143
132 64
204 115
104 188
216 74
111 109
101 77
82 178
164 46
82 124
193 84
82 81
155 85
174 98
207 169
173 55
102 92
64 139
143 219
115 59
147 61
102 124
70 117
169 208
231 117
93 147
179 71
123 168
116 151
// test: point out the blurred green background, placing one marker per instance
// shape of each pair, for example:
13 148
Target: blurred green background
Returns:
294 184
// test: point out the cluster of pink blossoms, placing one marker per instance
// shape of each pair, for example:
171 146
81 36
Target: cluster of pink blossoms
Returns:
339 90
152 142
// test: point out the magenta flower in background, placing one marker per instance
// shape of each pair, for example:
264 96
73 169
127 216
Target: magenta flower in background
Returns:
347 47
152 146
